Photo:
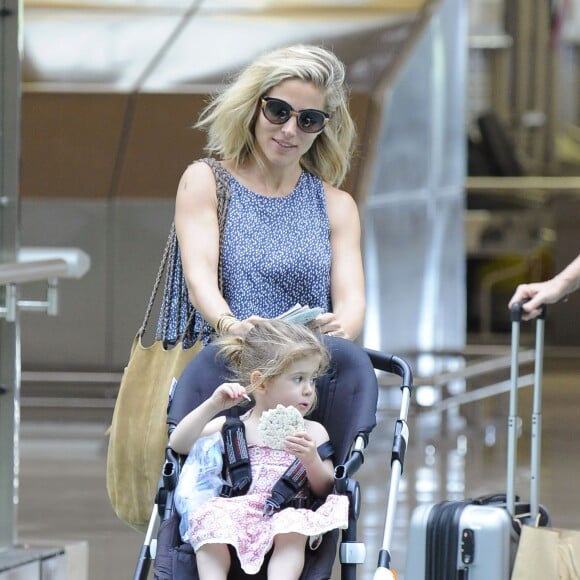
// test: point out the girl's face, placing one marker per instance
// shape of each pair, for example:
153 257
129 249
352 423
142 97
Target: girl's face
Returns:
286 143
295 386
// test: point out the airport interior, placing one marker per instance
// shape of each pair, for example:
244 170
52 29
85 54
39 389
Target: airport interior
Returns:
467 178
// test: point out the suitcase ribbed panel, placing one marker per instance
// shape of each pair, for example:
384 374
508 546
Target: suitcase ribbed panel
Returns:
443 540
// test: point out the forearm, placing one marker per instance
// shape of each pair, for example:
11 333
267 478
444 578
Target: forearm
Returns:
190 428
351 317
320 476
347 292
197 230
208 301
569 277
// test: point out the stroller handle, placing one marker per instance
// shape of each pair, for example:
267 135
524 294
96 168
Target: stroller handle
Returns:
391 363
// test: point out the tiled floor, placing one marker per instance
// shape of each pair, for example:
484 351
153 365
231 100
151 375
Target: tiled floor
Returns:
456 453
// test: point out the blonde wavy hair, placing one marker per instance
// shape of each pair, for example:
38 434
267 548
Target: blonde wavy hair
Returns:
270 347
230 116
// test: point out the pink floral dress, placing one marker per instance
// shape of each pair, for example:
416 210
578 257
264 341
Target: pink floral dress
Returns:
238 521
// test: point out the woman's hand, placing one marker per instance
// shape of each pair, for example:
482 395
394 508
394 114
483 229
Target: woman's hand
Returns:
328 323
242 327
548 292
537 294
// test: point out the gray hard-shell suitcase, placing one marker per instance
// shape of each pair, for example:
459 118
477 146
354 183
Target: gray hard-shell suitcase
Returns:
477 539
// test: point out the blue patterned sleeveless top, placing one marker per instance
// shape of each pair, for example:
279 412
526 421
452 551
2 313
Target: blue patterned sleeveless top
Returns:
275 251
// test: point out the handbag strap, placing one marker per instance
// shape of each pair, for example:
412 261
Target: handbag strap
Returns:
223 200
222 179
158 279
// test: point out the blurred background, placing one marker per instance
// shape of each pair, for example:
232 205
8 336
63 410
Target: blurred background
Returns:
467 176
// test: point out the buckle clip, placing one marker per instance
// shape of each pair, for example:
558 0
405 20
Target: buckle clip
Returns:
226 490
270 508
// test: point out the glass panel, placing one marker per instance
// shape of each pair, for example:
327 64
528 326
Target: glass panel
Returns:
414 248
9 331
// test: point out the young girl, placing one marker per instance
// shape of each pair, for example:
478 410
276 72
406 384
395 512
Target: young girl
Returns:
277 364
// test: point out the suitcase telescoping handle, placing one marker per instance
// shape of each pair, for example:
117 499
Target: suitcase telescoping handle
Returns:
516 316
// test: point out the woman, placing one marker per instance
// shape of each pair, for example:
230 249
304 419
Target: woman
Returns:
283 132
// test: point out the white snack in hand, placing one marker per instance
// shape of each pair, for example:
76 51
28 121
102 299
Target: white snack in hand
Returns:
276 424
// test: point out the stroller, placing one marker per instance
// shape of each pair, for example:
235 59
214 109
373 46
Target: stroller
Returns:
349 415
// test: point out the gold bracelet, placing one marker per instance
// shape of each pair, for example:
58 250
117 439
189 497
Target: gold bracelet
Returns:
224 322
228 323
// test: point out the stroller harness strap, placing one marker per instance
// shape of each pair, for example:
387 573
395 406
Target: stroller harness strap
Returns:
236 458
237 465
286 487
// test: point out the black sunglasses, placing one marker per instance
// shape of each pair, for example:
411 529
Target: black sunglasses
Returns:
278 112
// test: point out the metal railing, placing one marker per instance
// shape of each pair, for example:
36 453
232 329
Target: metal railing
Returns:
32 265
36 265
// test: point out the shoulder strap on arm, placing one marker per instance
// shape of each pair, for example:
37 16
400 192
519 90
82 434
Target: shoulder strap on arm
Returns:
326 451
222 180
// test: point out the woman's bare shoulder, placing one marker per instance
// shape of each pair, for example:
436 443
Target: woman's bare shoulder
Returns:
197 171
338 198
197 185
341 206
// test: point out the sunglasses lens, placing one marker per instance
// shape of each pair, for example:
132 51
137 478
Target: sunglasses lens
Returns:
311 121
277 112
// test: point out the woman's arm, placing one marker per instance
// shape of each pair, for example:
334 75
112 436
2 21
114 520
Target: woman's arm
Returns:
199 422
548 292
347 285
197 229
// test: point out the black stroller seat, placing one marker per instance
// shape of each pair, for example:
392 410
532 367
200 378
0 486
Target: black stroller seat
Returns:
347 405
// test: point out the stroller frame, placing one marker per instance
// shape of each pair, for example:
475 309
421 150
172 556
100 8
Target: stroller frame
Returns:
351 552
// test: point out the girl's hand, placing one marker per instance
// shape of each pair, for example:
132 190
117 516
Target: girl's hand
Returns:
228 395
303 446
328 323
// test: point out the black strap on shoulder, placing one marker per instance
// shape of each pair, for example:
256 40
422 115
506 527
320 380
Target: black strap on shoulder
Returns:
326 451
286 488
236 458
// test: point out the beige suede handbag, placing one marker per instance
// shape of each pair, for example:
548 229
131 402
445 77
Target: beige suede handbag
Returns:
138 433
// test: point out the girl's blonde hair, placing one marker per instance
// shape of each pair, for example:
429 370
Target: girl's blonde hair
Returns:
230 117
270 347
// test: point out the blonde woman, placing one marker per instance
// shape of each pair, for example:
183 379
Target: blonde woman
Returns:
283 132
